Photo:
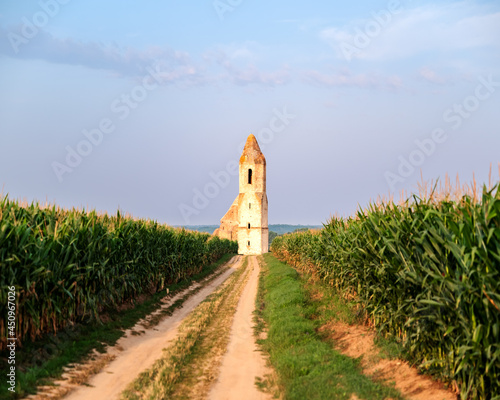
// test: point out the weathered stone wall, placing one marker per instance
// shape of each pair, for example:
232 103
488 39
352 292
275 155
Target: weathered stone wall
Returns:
229 223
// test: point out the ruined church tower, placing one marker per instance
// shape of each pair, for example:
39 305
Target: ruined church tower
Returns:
246 220
253 232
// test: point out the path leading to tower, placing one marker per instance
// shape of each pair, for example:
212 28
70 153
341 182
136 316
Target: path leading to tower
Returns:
136 353
243 362
227 368
207 350
214 355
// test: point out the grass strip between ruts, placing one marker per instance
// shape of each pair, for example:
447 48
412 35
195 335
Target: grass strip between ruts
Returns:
169 372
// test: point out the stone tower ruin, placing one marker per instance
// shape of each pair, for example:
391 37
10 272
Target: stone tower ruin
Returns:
246 221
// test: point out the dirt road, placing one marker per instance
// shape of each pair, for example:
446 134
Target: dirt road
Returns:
135 354
243 362
229 360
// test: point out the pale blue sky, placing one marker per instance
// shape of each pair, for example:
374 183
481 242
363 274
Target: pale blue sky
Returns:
375 92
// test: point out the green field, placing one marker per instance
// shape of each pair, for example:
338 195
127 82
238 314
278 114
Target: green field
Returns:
426 272
70 266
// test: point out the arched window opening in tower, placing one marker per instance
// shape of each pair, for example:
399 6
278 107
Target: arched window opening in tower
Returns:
249 243
249 225
249 176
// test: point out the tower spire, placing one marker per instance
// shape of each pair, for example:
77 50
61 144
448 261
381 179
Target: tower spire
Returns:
252 152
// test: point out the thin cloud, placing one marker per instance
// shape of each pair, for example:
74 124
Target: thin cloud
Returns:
121 61
251 75
449 28
346 78
431 76
237 64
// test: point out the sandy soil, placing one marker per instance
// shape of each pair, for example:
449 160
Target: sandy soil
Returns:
136 353
242 362
358 341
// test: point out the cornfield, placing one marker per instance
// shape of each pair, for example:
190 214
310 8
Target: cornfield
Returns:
427 272
69 266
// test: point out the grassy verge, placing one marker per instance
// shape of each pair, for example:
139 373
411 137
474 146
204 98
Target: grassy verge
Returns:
270 383
55 352
187 366
326 305
307 366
